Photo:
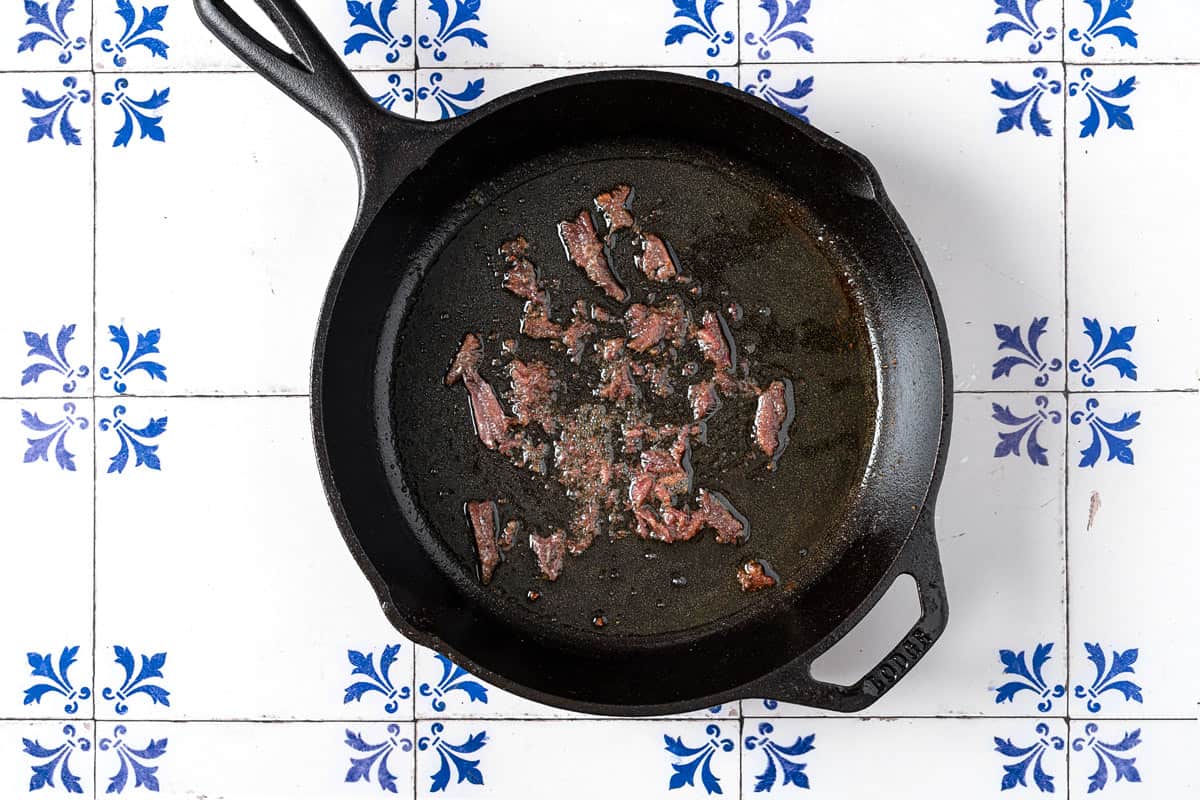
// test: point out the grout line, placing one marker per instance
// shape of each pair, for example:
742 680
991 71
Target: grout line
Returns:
578 719
1066 430
95 424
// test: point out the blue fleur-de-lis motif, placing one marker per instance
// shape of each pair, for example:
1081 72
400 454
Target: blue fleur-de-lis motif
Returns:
152 20
1026 429
1031 755
57 763
133 359
714 75
452 755
696 758
52 30
376 680
1102 352
699 22
377 29
1104 433
52 433
1106 679
452 104
1026 103
793 13
1123 768
133 760
57 680
52 360
453 26
131 438
771 705
1101 99
396 92
1106 15
376 754
151 668
57 110
454 679
1021 21
783 98
1029 680
1027 355
779 759
149 126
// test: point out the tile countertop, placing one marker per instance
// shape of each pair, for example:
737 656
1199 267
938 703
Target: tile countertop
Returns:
156 451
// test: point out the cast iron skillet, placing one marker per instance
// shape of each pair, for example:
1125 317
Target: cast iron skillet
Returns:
760 208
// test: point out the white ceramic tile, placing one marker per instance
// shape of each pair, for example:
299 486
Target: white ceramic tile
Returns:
370 36
47 247
444 93
597 759
46 558
1122 30
479 33
444 690
1134 759
985 206
223 568
1133 591
255 761
50 758
46 35
881 30
908 758
999 523
222 236
1129 227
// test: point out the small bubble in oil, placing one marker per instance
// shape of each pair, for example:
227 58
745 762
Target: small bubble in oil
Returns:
433 470
678 580
599 620
614 574
650 555
660 603
533 595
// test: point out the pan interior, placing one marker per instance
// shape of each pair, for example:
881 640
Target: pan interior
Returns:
744 238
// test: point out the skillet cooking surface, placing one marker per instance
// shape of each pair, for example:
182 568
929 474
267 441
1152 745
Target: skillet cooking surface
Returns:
743 237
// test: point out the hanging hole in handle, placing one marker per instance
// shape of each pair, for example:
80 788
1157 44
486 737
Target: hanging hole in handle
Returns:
257 19
876 634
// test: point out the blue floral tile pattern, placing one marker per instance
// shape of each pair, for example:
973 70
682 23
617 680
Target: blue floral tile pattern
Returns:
1109 755
780 759
784 18
457 20
1107 674
375 757
1026 103
58 112
133 760
396 91
450 103
133 111
144 683
47 434
1104 350
376 680
699 21
1020 20
1029 679
134 357
1016 772
783 98
1115 114
367 27
1024 429
454 679
54 763
140 31
47 359
56 679
690 760
50 30
1107 20
135 440
452 758
1104 434
1026 355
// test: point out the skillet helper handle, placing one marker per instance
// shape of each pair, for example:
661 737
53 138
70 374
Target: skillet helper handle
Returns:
919 558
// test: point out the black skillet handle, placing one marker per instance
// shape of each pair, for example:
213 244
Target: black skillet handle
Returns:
384 146
919 558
